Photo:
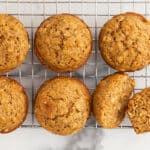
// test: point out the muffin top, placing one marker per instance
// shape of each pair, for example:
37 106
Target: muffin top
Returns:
63 43
110 99
139 111
14 43
13 104
124 42
62 105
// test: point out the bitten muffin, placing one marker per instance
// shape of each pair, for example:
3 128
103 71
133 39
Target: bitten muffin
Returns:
110 99
14 43
62 105
124 42
13 104
63 43
139 111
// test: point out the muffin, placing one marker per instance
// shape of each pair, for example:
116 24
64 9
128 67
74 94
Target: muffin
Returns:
63 43
139 111
124 42
14 43
110 99
62 105
13 104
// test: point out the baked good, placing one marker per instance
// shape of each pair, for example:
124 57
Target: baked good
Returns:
110 99
124 42
63 43
13 104
14 43
62 105
139 111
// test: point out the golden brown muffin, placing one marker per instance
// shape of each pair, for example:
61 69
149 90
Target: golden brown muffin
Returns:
110 99
139 111
62 105
14 43
124 42
63 43
13 104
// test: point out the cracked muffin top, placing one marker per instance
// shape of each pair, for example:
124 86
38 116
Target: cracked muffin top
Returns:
63 43
124 42
14 43
62 105
13 104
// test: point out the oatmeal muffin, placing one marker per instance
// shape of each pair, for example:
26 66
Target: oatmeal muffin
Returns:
63 43
62 105
14 43
124 42
13 104
110 99
139 111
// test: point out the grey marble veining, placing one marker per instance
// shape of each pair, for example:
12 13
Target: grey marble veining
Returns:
87 139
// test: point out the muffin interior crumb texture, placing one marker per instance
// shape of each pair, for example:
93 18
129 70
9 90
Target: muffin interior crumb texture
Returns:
13 104
14 43
125 42
110 99
139 111
62 105
63 43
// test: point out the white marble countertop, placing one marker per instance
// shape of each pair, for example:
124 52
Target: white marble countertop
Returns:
88 139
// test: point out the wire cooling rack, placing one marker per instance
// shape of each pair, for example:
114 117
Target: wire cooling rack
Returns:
31 74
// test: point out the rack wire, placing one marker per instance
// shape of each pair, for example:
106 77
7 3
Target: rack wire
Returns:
31 74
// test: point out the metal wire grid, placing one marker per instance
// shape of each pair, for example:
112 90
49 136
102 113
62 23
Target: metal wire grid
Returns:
95 13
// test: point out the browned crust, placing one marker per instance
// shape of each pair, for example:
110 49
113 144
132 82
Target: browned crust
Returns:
100 38
129 105
19 64
53 68
119 72
98 85
27 103
135 14
62 77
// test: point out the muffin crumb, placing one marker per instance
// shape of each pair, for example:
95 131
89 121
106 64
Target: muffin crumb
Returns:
139 111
